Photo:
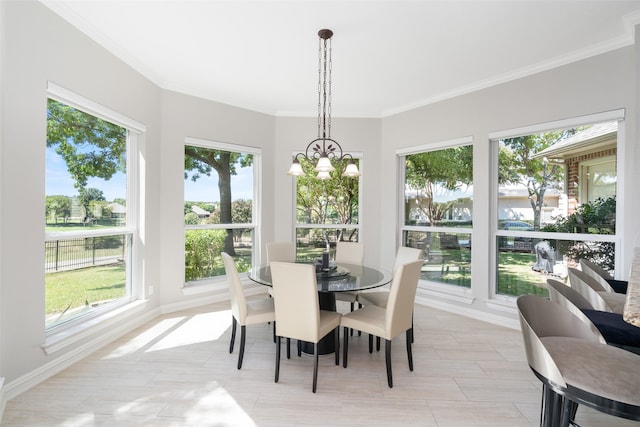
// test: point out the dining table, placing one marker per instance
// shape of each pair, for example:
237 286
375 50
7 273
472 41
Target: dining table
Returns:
338 277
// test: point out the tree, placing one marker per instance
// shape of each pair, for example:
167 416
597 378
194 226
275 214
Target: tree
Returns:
202 161
519 165
333 200
596 217
432 171
90 146
89 195
58 206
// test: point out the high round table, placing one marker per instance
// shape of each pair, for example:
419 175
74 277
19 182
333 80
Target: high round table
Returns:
345 278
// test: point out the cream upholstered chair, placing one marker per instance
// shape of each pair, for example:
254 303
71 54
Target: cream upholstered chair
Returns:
575 365
298 313
387 322
380 298
349 253
610 325
590 289
281 251
244 312
603 277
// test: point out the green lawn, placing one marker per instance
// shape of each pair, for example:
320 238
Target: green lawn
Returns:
68 290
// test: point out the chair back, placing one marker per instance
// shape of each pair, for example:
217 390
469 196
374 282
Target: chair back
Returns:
540 318
597 273
588 288
399 311
350 253
281 251
295 296
571 300
236 292
406 255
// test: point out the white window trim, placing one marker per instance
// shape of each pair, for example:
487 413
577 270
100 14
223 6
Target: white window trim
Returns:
61 336
494 138
437 289
212 284
303 225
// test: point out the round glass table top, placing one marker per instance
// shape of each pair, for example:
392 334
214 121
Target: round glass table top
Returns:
344 278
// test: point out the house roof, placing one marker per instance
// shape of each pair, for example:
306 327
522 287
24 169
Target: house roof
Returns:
595 137
198 210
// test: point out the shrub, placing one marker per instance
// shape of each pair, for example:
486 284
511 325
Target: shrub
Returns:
202 249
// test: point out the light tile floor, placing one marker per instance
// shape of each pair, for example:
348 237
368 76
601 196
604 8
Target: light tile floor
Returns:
177 371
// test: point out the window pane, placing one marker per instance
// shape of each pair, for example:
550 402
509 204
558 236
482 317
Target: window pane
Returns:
447 256
218 190
83 275
560 181
526 272
86 171
438 187
86 193
203 248
312 242
331 201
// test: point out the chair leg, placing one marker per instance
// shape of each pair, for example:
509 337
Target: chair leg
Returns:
243 333
278 359
288 348
377 343
370 343
336 334
387 358
274 331
409 353
352 307
299 348
346 347
233 333
359 307
315 366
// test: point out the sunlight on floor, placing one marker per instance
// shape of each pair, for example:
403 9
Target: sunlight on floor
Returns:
177 331
196 329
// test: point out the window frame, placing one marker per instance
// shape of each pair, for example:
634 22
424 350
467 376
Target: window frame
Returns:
358 226
494 140
255 206
133 284
444 290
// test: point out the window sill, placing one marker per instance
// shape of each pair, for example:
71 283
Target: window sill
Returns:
446 292
109 324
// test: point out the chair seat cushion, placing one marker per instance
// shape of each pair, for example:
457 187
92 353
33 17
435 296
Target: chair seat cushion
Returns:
614 329
620 286
599 369
259 311
369 319
377 298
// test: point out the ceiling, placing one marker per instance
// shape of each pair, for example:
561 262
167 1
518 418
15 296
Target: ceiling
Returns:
388 56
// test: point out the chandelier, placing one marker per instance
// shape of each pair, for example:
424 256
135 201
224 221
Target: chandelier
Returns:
323 149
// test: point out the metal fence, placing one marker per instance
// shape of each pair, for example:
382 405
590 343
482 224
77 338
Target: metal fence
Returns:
71 254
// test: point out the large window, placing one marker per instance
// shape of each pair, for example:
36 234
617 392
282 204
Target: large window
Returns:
555 204
327 211
437 209
89 208
219 207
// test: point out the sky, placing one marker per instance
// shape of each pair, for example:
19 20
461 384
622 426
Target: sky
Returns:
205 189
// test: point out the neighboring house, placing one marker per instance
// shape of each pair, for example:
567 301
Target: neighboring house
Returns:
513 203
200 212
117 210
589 159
